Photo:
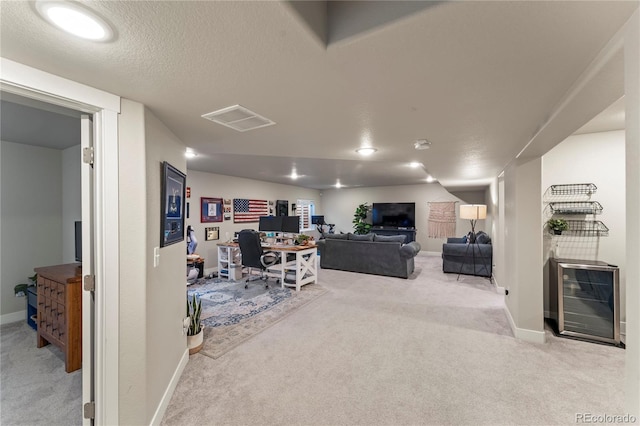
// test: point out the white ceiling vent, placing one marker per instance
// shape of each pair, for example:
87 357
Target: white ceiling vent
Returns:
238 118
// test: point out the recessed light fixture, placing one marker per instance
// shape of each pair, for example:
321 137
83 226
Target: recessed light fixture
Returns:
190 153
430 179
338 184
75 19
366 150
414 165
294 175
421 144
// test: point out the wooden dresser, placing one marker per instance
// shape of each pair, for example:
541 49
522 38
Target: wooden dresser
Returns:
60 311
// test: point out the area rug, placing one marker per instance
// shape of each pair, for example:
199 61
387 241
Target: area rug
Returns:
232 314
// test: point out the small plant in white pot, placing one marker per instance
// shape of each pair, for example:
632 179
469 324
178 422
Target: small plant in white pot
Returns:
195 332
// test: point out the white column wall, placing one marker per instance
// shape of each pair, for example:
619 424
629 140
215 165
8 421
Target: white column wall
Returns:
523 260
632 157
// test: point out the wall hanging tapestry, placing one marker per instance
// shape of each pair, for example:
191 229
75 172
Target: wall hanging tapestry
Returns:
442 219
249 210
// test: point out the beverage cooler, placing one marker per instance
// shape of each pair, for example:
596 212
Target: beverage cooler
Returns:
585 297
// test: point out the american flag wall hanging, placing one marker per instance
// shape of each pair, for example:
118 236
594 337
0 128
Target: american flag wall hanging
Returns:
249 210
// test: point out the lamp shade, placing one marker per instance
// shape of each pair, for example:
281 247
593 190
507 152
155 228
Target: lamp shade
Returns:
473 211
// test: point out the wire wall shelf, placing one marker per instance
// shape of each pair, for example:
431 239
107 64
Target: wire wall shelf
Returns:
584 228
576 207
574 188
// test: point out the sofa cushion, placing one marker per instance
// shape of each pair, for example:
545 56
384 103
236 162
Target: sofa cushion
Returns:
336 236
390 238
482 238
455 240
355 237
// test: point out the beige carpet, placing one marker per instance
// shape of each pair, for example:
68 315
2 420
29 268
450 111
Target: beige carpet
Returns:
219 340
373 350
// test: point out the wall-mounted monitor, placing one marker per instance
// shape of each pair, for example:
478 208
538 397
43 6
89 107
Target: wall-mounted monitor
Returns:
290 224
317 220
270 223
394 215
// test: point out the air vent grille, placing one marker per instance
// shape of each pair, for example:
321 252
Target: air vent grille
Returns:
238 118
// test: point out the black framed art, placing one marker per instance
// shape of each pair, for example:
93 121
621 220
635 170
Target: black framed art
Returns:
212 233
210 210
173 190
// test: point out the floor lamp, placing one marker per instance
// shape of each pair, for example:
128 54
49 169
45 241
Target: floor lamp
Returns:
472 212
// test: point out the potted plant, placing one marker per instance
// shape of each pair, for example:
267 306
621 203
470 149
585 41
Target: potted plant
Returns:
195 331
303 239
360 225
557 225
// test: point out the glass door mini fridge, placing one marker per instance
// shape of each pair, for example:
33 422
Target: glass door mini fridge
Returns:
584 295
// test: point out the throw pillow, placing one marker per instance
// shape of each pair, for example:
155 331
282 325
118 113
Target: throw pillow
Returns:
390 238
482 238
365 237
336 236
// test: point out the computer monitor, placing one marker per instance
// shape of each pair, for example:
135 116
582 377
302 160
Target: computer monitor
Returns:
317 220
270 223
290 224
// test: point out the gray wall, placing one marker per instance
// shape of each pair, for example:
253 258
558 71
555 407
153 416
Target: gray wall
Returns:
71 200
591 158
339 206
211 185
152 299
30 218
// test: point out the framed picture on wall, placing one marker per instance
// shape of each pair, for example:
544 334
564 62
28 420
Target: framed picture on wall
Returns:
212 233
211 210
173 205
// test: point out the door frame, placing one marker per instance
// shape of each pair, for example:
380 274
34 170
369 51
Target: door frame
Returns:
105 107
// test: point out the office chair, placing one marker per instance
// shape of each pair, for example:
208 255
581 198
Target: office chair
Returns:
254 257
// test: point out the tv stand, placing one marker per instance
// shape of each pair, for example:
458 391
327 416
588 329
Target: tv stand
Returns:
410 233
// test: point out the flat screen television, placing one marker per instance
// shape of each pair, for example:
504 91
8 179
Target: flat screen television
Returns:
270 223
317 220
290 224
394 215
78 241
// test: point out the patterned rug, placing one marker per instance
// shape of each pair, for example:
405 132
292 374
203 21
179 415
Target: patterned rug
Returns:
232 314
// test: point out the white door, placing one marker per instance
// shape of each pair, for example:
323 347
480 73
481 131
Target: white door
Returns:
88 295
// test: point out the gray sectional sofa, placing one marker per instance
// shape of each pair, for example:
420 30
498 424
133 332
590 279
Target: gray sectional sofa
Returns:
368 254
470 259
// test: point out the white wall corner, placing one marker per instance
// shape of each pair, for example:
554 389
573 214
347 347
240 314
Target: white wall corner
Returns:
168 393
13 317
532 336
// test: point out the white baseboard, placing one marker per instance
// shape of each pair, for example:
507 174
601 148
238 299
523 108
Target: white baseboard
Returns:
524 333
13 317
168 393
499 289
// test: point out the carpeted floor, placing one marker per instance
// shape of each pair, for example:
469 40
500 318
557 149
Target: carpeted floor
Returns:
36 390
374 350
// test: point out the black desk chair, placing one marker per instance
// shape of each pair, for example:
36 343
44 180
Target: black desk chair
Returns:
254 257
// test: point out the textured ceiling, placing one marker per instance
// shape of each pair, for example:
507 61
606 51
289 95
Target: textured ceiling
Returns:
478 79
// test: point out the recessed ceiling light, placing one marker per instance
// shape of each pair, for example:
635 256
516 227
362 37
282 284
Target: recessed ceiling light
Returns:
367 150
430 179
414 164
421 144
338 184
75 19
190 153
294 175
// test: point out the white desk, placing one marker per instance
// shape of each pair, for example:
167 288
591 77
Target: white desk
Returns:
304 266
